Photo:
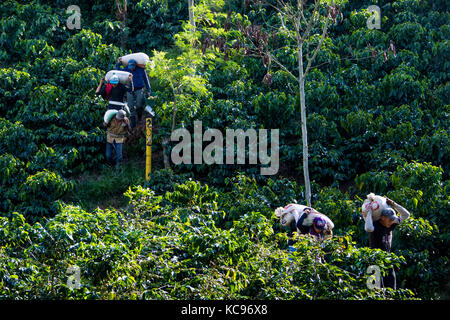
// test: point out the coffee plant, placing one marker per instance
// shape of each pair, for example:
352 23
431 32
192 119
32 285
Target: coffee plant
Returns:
377 121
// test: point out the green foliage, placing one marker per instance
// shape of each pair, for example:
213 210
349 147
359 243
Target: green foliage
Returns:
430 196
105 188
377 122
81 45
156 252
165 179
160 18
376 182
40 193
192 194
12 136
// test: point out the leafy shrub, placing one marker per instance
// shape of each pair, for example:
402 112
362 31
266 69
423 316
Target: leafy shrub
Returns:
12 136
376 182
48 158
82 44
164 180
426 181
402 85
86 79
138 256
40 194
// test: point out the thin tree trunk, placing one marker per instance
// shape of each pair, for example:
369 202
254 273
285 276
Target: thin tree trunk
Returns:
124 37
191 12
165 142
174 113
122 15
301 84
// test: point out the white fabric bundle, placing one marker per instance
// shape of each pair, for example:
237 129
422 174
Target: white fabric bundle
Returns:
141 59
374 203
123 76
296 211
109 115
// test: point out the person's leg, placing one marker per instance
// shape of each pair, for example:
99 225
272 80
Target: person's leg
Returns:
139 103
390 281
131 97
119 157
109 153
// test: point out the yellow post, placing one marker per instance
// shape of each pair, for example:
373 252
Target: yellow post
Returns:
148 148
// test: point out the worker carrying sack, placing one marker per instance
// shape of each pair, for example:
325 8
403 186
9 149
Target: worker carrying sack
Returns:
141 59
123 76
294 211
374 203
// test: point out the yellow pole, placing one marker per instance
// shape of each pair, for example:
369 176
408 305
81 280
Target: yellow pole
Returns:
148 148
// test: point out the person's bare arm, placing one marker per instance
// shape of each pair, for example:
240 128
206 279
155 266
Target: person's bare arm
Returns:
100 85
368 225
127 122
403 213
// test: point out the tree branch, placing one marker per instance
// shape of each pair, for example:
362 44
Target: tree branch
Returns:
310 22
324 32
272 57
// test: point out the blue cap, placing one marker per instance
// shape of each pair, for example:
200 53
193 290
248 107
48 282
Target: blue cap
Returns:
114 79
132 63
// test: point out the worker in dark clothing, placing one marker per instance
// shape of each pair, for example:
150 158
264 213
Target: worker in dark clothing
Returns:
135 97
114 92
380 234
318 228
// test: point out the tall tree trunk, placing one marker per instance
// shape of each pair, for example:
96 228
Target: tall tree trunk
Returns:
165 143
191 12
301 85
166 140
124 37
122 15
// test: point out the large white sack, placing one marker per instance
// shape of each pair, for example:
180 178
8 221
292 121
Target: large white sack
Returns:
140 58
123 76
296 211
375 203
289 213
109 115
310 218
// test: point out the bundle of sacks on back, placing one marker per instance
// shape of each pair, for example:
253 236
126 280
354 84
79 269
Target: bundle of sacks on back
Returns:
124 76
304 219
141 59
372 208
375 204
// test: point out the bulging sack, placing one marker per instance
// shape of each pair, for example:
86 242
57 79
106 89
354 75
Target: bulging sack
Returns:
295 211
109 115
375 203
123 76
141 59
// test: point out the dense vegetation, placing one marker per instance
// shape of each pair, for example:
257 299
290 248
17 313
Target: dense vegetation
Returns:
378 121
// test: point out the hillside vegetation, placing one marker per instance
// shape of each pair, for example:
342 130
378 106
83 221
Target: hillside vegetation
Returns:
378 121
